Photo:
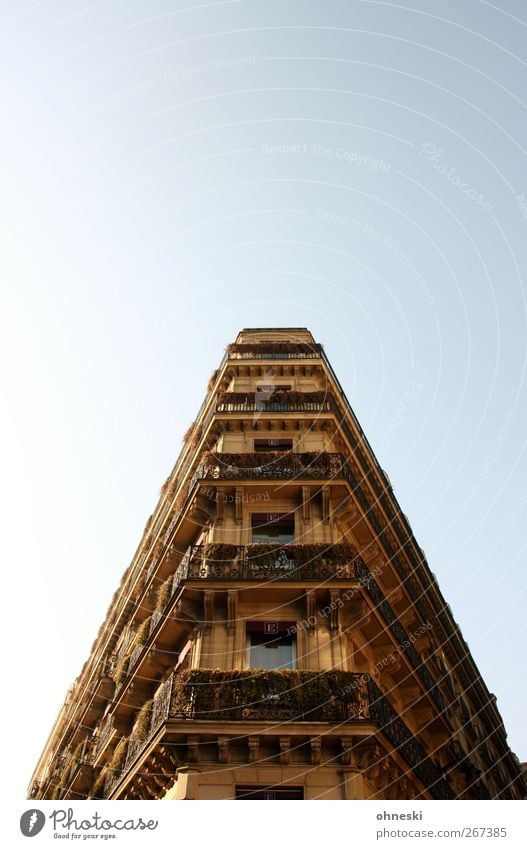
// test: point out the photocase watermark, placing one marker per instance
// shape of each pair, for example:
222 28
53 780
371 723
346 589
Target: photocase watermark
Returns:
350 156
514 517
490 460
411 396
236 498
65 824
433 155
32 822
185 71
521 203
356 684
394 655
385 242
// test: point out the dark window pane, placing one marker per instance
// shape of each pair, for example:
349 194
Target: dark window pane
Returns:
267 652
280 530
269 793
261 445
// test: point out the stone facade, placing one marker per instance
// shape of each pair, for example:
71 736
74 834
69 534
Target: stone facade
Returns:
279 633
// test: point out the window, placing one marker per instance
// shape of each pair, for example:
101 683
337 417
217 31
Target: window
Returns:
276 528
271 645
261 445
272 387
269 793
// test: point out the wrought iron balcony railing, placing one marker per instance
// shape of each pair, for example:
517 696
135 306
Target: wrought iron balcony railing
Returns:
220 561
103 734
281 402
288 696
270 562
274 351
159 714
272 465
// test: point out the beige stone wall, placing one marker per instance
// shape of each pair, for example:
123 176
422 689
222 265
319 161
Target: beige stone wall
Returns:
318 782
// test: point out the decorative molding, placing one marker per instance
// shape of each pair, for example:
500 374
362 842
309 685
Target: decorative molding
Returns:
316 750
208 610
285 750
254 749
232 610
306 503
193 748
223 750
310 611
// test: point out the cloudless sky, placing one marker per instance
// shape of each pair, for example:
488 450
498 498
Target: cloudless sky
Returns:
174 171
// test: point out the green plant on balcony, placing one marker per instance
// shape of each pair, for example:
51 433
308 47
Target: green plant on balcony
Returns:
298 693
212 379
182 497
116 762
121 668
157 550
142 633
113 767
164 591
279 397
142 723
221 551
274 348
265 554
192 435
98 784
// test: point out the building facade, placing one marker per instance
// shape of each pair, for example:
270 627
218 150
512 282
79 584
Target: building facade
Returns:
278 634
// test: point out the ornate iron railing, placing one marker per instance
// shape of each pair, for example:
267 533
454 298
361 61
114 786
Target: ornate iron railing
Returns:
399 735
288 696
292 695
161 704
159 714
297 696
270 406
312 562
277 465
258 355
405 645
104 734
270 562
114 776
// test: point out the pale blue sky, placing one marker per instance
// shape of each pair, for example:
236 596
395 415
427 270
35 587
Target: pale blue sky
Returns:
173 172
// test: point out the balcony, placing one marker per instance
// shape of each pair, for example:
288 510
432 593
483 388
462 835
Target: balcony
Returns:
288 696
131 749
274 351
221 561
276 402
272 563
272 465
